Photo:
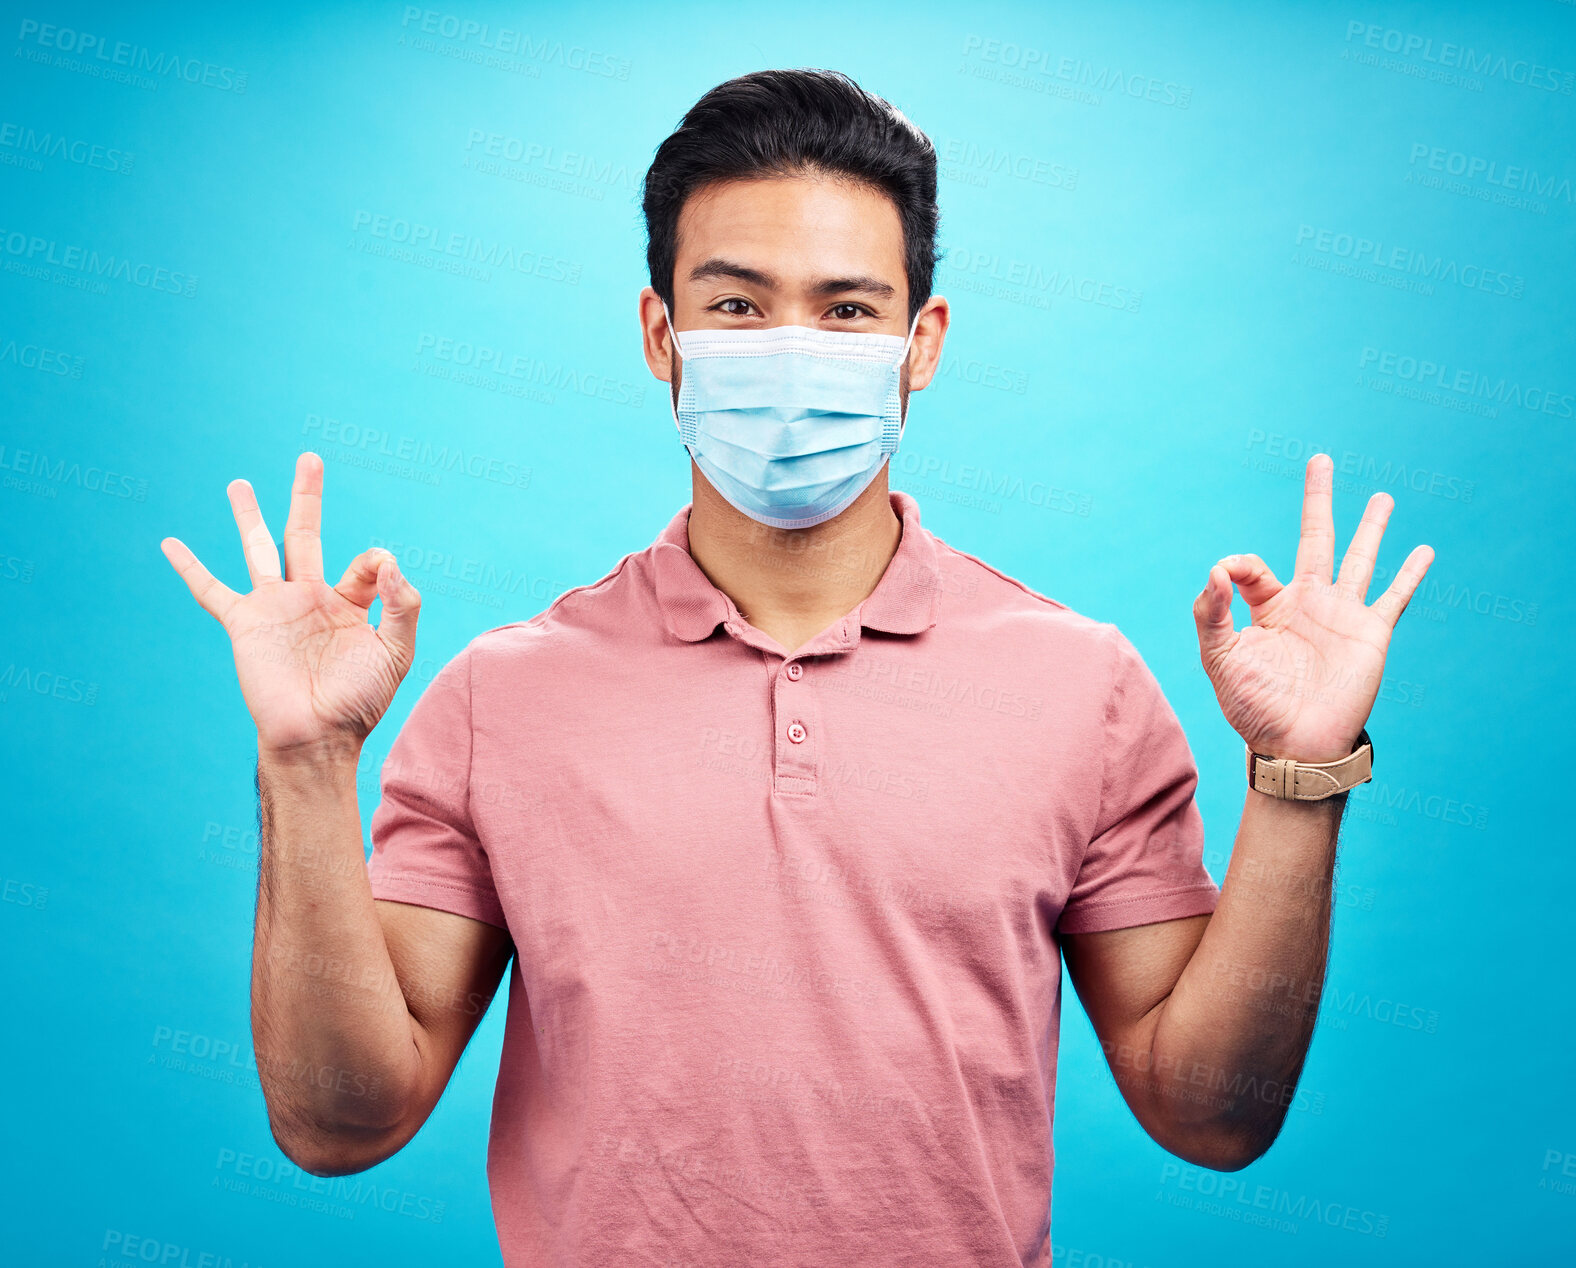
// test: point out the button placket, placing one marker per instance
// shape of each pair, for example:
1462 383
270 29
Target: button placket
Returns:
797 726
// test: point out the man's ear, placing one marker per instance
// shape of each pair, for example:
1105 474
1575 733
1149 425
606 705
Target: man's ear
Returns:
930 332
656 338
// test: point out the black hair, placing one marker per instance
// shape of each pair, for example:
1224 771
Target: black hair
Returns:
784 123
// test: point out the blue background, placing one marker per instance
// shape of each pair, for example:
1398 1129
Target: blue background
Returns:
1104 455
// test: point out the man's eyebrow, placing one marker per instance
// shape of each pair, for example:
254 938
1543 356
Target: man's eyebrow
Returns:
861 285
717 267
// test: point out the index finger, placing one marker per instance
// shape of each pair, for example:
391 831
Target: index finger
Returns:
1393 601
215 597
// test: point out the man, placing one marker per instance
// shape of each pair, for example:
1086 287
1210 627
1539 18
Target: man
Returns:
787 821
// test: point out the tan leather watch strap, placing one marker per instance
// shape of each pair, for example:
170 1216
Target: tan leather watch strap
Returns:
1289 780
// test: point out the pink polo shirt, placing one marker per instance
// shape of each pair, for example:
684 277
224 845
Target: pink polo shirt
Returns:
787 981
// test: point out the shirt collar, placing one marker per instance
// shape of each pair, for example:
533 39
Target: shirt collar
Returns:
904 601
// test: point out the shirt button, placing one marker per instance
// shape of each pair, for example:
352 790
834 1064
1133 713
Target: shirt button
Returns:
796 671
796 732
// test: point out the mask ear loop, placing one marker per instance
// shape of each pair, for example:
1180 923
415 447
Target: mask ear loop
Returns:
912 327
686 434
892 420
672 333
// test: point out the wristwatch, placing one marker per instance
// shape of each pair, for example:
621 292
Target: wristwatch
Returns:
1289 780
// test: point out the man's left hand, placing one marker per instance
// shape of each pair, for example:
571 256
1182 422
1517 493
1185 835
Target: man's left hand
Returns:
1300 680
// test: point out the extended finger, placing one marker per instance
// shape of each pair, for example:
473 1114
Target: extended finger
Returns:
303 529
262 556
1316 546
215 597
1357 569
1393 601
1253 577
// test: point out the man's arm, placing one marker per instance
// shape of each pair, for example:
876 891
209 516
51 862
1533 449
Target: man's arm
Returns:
360 1007
1206 1021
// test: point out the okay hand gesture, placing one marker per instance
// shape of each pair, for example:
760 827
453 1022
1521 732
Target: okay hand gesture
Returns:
1300 680
313 671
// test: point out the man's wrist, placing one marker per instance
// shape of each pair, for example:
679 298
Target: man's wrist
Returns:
330 755
1305 755
1294 779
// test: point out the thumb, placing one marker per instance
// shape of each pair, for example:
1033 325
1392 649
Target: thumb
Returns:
401 606
360 582
1212 614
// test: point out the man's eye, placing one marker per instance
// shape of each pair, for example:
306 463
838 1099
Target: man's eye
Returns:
847 312
742 310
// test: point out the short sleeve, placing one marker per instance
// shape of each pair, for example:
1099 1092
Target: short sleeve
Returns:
1145 860
425 848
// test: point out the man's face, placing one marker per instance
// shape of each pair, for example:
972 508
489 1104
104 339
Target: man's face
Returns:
812 251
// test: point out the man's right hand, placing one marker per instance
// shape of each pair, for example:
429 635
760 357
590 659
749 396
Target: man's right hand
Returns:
314 672
349 1074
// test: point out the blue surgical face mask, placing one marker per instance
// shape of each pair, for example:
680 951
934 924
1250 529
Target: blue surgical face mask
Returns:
790 424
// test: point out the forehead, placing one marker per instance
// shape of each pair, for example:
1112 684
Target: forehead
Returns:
796 226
